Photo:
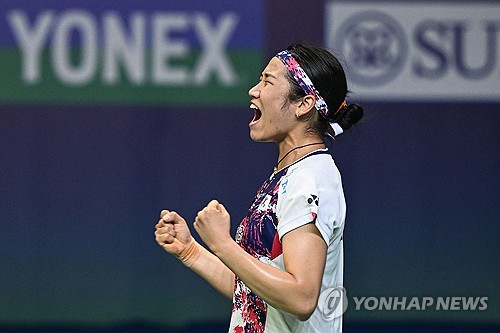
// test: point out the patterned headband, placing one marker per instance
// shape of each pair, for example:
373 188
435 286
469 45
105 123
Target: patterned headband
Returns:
303 80
305 83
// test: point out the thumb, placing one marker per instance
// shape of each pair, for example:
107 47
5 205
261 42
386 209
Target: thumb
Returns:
174 218
213 204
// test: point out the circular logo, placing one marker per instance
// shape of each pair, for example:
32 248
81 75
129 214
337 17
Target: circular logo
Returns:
374 46
332 302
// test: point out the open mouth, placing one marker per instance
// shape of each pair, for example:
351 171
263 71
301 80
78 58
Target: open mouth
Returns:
256 113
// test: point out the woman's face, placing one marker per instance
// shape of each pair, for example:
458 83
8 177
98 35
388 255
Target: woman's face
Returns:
272 119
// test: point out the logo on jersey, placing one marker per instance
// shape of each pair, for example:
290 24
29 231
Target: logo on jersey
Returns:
313 198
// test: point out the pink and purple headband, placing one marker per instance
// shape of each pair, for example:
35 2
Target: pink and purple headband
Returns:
307 86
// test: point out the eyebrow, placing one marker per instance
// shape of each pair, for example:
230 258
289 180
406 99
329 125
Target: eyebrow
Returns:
267 74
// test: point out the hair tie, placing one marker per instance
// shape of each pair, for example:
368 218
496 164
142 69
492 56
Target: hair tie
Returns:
343 105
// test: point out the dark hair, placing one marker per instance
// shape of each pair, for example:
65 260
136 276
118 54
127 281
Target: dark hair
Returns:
328 76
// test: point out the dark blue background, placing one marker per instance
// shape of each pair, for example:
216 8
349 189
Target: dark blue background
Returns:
81 189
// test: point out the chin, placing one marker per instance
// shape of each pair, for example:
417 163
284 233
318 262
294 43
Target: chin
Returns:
255 138
258 138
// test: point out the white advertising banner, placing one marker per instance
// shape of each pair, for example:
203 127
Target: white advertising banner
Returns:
417 51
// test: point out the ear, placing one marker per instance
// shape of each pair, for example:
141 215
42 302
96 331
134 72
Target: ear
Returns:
305 105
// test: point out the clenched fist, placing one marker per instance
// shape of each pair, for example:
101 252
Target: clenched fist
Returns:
172 233
213 224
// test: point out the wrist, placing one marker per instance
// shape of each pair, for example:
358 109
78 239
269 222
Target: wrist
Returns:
190 254
223 247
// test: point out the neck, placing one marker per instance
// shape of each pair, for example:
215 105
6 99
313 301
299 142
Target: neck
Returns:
297 152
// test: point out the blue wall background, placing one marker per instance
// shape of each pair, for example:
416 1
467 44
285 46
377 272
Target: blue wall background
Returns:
81 188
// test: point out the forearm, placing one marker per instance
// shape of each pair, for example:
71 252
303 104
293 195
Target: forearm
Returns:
295 289
212 270
276 287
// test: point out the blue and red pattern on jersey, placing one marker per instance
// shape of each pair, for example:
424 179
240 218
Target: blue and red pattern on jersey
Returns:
257 235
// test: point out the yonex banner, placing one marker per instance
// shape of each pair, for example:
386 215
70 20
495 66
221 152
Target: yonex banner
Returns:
415 51
129 52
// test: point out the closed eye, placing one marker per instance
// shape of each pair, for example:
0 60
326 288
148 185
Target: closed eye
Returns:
267 77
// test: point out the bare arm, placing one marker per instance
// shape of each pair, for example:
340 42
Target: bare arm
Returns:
173 235
295 289
214 271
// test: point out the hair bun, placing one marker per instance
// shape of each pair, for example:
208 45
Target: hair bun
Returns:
350 116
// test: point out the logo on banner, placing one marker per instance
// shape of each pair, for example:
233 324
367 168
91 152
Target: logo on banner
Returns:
114 55
397 51
376 46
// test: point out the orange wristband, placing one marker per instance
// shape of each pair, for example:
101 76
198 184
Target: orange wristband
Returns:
190 253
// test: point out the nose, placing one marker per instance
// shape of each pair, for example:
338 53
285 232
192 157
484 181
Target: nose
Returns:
254 92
